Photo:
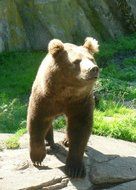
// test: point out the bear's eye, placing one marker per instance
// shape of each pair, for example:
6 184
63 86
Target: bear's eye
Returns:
92 59
77 61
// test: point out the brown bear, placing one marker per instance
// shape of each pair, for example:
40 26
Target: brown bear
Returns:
64 85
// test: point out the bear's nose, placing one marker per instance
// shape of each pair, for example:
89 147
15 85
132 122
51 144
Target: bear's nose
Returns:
95 70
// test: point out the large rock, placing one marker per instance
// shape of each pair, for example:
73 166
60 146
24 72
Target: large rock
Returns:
31 24
112 161
110 164
125 186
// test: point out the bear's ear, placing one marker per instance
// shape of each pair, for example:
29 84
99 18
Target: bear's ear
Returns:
91 44
55 46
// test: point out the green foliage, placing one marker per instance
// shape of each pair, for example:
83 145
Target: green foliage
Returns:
118 79
18 71
110 119
12 116
115 120
13 141
109 50
59 123
117 85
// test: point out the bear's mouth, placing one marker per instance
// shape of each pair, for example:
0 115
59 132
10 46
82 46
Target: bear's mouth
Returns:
88 77
91 77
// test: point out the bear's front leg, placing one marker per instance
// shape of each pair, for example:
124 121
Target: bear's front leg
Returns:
79 129
37 131
37 151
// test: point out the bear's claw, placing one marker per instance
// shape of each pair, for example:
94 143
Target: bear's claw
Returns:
37 163
75 170
37 153
65 142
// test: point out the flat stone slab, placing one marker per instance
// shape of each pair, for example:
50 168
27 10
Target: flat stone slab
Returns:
18 173
110 164
113 161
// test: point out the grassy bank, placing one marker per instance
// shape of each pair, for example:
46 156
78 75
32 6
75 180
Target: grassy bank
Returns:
17 72
115 114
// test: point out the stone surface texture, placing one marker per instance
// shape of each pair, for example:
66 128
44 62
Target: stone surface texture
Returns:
110 164
32 24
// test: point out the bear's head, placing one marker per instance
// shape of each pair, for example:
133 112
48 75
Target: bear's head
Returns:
76 64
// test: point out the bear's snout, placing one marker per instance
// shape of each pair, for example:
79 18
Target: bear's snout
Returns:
89 70
94 71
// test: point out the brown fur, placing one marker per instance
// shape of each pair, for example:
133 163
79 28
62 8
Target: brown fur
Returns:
63 86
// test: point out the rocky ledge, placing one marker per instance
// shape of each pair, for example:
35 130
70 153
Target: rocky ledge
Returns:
110 164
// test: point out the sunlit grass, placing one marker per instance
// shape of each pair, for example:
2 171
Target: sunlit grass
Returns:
13 141
116 121
12 116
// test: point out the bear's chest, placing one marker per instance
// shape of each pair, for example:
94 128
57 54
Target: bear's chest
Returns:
70 94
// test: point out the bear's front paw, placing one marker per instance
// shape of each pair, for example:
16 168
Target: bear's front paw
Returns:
75 169
37 153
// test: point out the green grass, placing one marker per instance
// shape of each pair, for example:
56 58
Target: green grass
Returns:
116 86
114 120
12 116
18 70
13 141
109 50
59 123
